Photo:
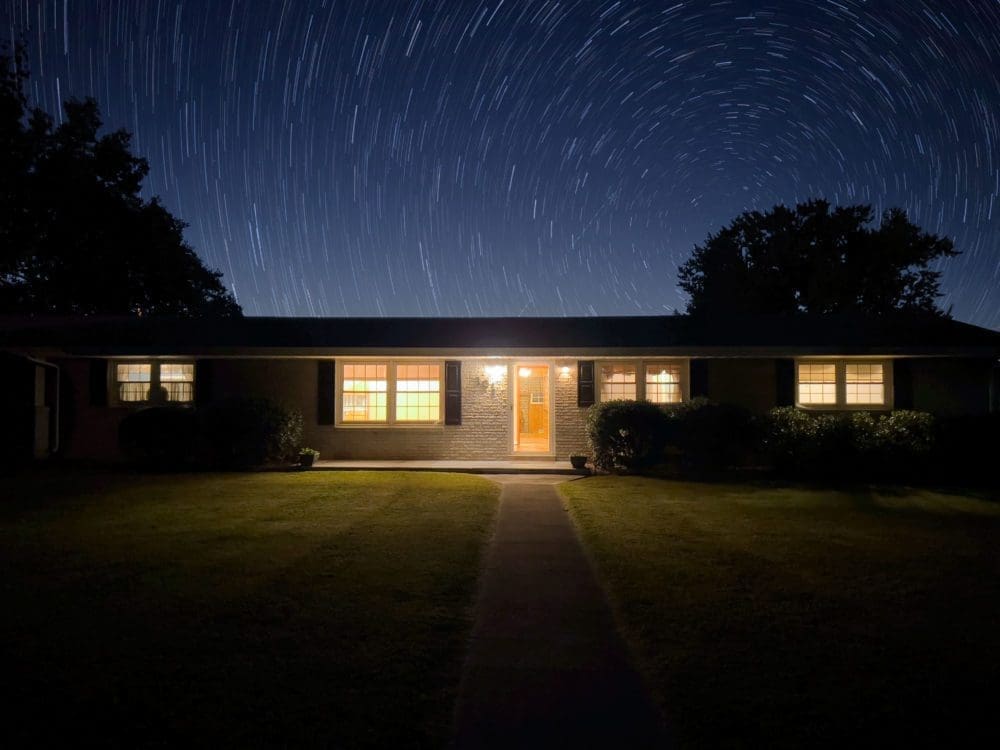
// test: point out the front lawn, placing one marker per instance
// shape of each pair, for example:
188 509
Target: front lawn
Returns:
289 609
768 617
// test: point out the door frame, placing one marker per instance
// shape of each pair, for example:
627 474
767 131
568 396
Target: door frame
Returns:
512 380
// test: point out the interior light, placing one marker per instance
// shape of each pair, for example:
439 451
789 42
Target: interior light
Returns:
524 372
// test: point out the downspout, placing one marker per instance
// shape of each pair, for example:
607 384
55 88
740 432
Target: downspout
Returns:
53 443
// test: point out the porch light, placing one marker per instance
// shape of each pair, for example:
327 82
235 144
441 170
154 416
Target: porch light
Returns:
564 371
495 374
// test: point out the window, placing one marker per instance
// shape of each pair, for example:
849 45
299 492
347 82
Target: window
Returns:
418 393
844 384
663 384
154 382
388 392
133 381
366 392
865 383
177 382
817 384
618 382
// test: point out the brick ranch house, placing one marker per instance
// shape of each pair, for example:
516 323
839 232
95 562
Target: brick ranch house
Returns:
472 388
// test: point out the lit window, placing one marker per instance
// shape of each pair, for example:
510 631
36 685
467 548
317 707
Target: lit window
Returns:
177 382
418 393
663 384
818 383
617 382
865 384
134 381
365 392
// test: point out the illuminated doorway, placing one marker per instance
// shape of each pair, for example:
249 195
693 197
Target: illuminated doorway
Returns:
531 410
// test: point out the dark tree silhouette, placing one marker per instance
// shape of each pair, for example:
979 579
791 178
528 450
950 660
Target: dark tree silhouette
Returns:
76 237
812 259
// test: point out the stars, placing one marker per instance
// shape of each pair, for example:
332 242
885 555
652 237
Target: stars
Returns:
498 157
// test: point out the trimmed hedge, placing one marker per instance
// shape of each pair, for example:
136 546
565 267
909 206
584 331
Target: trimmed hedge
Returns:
849 445
702 436
235 434
160 437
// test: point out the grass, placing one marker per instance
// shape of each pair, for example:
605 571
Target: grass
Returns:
790 617
267 609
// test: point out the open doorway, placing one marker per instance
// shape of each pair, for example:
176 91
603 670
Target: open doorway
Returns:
531 408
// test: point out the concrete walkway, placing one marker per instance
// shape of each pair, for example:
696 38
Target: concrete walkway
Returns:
546 666
496 466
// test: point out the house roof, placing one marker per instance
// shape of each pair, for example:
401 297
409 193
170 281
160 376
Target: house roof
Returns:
744 335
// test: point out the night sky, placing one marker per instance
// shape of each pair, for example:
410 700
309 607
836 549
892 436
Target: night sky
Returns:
530 157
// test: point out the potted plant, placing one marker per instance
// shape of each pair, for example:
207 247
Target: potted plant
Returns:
578 462
308 456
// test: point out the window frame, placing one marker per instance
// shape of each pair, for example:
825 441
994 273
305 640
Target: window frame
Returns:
390 386
840 383
154 383
640 376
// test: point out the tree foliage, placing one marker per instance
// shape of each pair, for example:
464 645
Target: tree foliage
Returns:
814 259
76 236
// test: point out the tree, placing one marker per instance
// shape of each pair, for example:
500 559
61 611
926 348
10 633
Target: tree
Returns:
76 236
812 259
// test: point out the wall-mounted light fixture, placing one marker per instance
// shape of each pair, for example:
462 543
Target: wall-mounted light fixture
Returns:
494 374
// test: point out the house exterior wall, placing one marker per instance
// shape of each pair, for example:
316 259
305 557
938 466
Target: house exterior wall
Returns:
951 387
945 387
88 433
749 383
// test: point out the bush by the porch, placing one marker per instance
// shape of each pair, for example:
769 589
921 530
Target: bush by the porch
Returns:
711 436
241 433
627 436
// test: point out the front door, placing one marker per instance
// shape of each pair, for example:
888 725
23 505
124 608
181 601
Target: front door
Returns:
531 408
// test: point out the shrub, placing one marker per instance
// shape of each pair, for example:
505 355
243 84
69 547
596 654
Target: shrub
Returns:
711 436
627 436
160 437
240 433
850 445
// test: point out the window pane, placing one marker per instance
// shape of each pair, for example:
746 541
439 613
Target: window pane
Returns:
817 384
177 381
865 383
133 381
617 382
418 393
663 384
365 390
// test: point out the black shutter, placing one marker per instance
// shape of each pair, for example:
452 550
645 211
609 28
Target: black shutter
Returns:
453 392
902 384
784 381
699 378
98 382
326 385
585 383
204 381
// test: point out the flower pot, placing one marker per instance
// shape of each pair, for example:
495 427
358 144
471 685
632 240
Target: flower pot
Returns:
307 459
578 462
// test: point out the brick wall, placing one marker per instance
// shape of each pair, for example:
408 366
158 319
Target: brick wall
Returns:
485 431
571 420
